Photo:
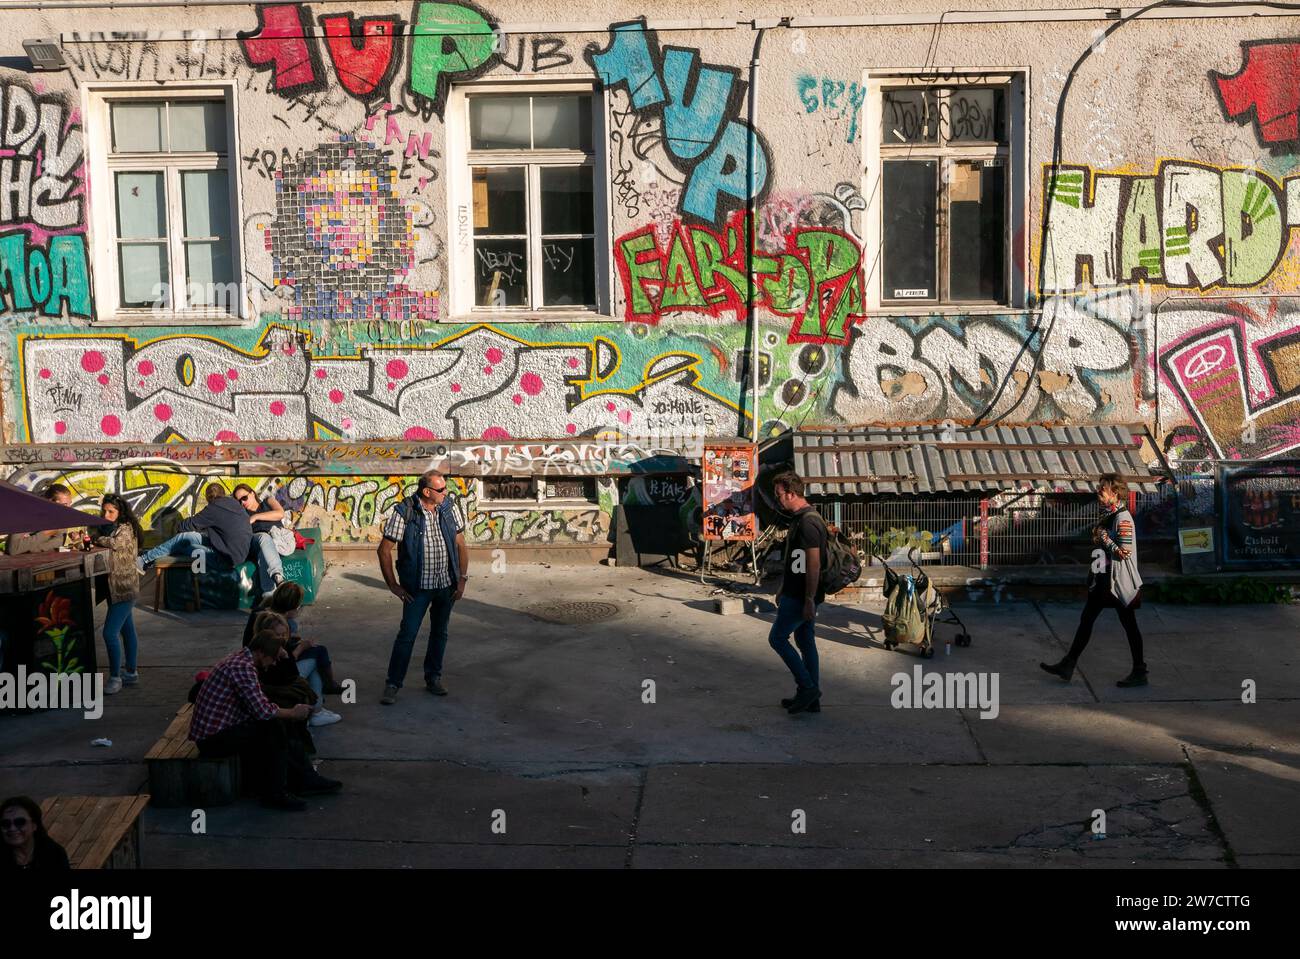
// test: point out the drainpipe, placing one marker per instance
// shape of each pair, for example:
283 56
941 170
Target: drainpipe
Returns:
751 227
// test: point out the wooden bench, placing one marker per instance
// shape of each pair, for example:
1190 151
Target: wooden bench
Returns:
179 776
97 832
160 580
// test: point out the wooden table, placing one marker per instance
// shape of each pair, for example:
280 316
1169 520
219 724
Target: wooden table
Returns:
97 832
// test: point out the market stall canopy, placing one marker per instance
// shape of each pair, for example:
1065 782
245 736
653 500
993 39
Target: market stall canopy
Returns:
935 458
24 512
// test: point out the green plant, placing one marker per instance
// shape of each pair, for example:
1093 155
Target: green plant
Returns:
1241 589
884 542
64 662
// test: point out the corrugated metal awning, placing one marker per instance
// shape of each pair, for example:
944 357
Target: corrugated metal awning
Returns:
935 459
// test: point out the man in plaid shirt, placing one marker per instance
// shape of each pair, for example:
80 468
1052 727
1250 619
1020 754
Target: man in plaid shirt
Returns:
232 716
431 573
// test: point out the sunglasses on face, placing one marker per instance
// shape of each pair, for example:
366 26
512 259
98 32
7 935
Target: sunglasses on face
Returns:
18 823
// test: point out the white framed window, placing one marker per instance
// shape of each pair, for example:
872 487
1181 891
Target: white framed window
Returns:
165 202
528 200
947 162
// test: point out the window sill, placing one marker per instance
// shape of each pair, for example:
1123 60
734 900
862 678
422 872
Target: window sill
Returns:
506 316
946 309
163 318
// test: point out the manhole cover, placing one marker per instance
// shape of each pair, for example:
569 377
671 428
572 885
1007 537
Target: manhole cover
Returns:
572 614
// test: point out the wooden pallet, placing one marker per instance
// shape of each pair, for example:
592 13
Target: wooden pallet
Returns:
179 776
97 832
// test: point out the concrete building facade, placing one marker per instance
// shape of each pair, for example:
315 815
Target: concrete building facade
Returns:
383 229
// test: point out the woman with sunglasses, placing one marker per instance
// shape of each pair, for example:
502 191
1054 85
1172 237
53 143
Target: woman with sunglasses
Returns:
123 536
26 843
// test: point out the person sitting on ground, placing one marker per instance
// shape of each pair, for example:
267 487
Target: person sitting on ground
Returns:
221 526
26 843
47 541
123 536
232 716
263 517
312 660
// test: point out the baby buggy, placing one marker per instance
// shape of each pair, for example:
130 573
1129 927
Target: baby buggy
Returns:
913 607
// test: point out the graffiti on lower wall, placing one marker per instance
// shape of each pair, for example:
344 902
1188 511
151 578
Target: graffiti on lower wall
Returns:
347 510
477 383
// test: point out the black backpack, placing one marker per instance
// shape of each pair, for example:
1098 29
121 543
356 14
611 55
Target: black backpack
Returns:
841 565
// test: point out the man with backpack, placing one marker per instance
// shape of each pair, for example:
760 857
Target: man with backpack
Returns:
801 592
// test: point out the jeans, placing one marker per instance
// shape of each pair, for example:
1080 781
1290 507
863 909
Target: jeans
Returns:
268 755
268 561
120 621
182 544
308 671
789 619
436 602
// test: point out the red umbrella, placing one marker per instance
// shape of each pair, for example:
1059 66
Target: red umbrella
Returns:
24 512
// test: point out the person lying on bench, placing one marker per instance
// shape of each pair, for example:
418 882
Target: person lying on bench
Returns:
232 716
221 526
26 843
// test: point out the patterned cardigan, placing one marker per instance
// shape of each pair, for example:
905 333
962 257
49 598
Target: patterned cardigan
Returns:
123 577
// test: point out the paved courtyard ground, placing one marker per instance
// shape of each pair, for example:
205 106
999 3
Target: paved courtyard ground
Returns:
547 724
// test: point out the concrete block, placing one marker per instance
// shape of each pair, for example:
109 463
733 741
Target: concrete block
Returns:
729 607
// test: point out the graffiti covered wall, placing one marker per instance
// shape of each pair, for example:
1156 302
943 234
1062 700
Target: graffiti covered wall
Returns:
1156 260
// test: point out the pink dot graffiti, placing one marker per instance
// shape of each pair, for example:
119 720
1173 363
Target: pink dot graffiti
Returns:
397 369
419 433
60 427
320 374
163 412
146 368
227 436
531 384
216 383
232 374
336 396
103 379
494 355
111 425
455 387
277 408
92 361
518 400
495 433
45 374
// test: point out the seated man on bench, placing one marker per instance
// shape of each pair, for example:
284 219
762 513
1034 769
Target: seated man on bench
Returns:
221 526
233 716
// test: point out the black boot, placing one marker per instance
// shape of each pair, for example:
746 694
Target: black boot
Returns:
804 699
1064 669
1136 677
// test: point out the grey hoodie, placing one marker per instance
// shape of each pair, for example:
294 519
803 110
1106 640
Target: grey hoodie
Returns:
1124 579
225 523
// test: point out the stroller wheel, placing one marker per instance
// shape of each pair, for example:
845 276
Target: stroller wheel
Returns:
928 652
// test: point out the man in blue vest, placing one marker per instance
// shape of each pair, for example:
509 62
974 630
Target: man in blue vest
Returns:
432 569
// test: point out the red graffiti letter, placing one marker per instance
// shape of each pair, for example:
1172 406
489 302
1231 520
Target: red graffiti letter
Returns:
280 43
363 59
1268 83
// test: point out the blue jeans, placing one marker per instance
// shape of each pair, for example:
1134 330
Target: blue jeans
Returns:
268 560
789 619
308 671
182 544
119 621
437 603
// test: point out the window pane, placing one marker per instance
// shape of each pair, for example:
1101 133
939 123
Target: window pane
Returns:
208 274
568 273
142 271
977 115
500 273
976 258
500 205
141 205
909 116
198 126
207 203
137 128
498 123
562 123
909 201
566 200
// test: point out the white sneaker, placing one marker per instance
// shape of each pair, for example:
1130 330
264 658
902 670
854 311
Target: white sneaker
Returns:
323 717
130 679
115 686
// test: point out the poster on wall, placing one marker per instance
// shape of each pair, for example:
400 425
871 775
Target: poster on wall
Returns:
1261 514
729 473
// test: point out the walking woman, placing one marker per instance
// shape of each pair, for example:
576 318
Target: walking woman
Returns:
1113 582
124 537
